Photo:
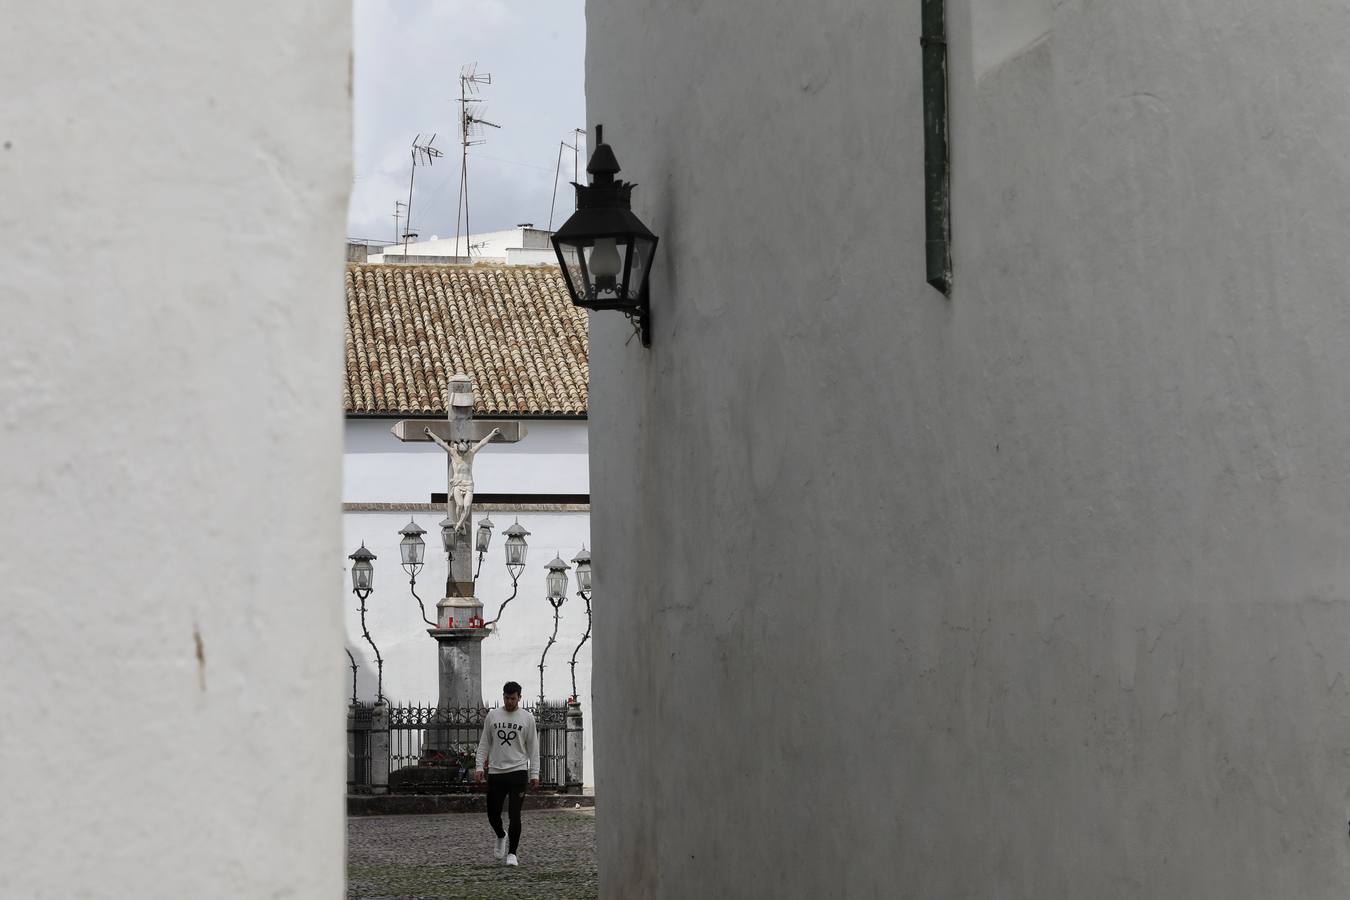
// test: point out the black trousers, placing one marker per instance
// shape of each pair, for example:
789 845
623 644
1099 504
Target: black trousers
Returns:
507 784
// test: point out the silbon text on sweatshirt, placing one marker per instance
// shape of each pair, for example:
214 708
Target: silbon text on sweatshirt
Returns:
509 743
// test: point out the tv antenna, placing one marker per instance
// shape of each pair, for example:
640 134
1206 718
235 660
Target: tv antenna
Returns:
423 154
471 122
578 135
399 207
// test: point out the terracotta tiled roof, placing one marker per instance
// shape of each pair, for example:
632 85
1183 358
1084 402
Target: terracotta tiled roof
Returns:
512 329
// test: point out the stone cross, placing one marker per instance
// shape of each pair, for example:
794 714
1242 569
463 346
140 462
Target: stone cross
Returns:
461 437
459 632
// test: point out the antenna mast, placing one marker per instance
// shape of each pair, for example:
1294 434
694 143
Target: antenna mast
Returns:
574 147
423 153
399 206
469 122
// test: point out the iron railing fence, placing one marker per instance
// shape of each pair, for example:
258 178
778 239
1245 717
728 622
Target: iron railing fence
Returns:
435 748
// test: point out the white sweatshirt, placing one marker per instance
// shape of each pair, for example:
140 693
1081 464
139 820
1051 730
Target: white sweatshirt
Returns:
509 742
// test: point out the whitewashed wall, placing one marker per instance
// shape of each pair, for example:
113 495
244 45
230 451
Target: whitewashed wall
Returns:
378 468
174 715
1041 591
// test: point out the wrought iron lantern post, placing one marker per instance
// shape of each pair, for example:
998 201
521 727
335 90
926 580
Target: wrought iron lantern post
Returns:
557 594
413 550
583 563
516 550
481 541
604 250
363 585
354 668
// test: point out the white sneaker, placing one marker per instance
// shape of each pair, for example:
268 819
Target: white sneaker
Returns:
500 849
511 860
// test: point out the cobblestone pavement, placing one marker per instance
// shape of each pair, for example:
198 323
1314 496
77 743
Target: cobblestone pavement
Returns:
444 856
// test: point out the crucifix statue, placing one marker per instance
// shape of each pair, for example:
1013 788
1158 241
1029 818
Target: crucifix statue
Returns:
459 615
459 474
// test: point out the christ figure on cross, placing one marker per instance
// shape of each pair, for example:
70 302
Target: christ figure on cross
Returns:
461 455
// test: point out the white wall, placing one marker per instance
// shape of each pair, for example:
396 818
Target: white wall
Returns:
378 468
175 717
512 654
1040 591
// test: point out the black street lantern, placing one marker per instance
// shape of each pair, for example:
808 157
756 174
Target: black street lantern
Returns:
448 534
583 564
484 536
412 547
363 573
515 549
605 251
557 581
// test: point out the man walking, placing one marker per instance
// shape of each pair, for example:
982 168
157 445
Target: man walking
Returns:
508 753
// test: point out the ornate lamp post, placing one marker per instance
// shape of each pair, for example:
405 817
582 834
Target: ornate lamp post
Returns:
354 668
481 541
557 594
363 584
516 549
583 563
413 550
604 251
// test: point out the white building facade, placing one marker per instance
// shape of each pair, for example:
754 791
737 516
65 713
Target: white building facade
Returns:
1040 590
523 245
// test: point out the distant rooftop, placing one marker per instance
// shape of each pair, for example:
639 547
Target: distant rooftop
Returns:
523 245
513 329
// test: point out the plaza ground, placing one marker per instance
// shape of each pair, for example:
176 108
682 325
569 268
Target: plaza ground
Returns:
450 855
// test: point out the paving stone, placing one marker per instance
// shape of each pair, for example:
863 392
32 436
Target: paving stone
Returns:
447 856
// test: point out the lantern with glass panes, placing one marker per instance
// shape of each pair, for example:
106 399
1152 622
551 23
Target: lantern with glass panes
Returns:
516 550
363 573
583 563
413 550
363 584
605 252
448 534
556 581
481 541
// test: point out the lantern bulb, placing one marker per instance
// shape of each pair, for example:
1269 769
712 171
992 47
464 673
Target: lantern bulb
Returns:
604 261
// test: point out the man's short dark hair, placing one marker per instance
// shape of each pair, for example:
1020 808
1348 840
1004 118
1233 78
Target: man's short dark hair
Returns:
510 688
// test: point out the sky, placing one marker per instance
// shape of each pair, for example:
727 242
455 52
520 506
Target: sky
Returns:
408 57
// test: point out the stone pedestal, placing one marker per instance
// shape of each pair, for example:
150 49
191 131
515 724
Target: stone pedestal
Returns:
576 746
379 748
459 655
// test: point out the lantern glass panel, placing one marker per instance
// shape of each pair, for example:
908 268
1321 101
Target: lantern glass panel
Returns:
484 537
515 551
363 575
640 264
574 269
557 584
584 576
413 549
448 538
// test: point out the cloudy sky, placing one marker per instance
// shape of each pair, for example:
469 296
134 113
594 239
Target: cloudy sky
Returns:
408 58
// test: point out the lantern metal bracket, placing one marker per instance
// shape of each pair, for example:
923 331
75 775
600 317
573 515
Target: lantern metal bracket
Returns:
641 318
